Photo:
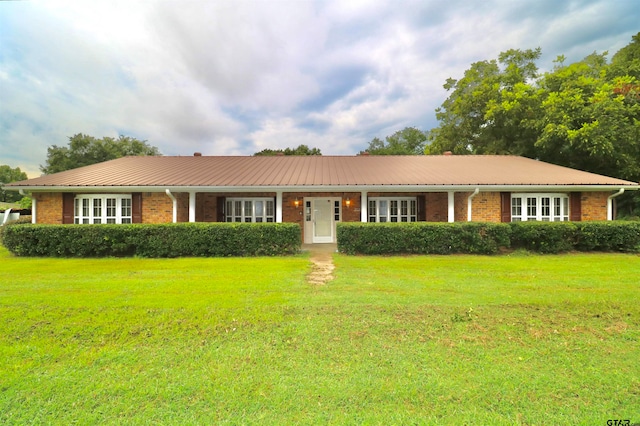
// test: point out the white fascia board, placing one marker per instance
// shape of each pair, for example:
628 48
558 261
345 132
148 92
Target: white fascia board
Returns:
329 188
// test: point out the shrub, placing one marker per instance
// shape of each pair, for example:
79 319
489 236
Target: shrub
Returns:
422 238
543 237
164 240
608 236
487 238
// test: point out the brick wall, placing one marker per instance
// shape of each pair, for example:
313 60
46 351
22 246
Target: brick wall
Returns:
437 206
594 205
206 207
48 207
157 207
485 207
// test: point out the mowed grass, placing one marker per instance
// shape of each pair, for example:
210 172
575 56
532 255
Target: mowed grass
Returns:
392 340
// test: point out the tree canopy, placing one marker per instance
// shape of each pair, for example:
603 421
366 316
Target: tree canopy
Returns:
299 150
84 150
8 175
584 115
408 141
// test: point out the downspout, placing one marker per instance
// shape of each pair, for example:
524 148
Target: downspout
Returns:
175 205
469 203
610 203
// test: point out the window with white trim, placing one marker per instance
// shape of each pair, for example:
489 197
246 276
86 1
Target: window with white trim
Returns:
102 208
393 209
254 210
539 207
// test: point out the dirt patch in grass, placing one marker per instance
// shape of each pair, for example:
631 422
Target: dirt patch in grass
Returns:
322 269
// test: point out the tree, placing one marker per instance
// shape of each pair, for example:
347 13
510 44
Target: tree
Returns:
299 150
627 60
408 141
492 109
84 150
584 115
8 175
590 122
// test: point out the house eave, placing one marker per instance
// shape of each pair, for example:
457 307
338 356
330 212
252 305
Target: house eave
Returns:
329 188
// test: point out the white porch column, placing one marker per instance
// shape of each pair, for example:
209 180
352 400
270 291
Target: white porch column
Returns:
192 206
279 207
364 205
451 210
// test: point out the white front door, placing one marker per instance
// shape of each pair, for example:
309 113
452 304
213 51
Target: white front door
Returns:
322 215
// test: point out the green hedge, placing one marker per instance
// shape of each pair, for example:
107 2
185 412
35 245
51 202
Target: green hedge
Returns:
543 237
165 240
487 238
422 238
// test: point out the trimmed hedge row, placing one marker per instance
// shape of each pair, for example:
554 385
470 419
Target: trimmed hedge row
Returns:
422 238
487 238
161 240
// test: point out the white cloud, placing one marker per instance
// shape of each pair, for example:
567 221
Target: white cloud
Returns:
235 77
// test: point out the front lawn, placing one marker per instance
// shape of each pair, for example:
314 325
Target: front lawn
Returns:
392 340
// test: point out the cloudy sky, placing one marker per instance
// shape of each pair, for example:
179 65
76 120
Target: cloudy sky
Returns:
232 77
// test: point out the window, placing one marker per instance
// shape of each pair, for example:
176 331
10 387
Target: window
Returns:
393 209
102 208
250 210
540 207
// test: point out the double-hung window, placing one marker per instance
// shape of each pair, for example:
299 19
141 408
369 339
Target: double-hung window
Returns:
539 207
392 209
250 210
102 208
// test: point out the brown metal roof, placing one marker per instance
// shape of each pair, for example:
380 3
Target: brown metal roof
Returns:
308 171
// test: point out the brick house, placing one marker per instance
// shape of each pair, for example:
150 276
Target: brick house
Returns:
318 191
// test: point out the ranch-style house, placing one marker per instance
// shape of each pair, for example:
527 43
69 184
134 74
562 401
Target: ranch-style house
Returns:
319 191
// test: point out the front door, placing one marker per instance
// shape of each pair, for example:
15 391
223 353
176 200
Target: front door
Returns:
323 213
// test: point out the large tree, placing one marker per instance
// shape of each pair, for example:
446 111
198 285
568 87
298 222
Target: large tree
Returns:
584 115
492 109
580 115
299 150
408 141
84 150
8 175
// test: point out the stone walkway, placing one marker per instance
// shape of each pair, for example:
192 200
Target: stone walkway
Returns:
322 259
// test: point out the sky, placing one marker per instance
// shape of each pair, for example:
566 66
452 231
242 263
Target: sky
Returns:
233 77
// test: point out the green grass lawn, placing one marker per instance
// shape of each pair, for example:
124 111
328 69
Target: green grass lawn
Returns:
392 340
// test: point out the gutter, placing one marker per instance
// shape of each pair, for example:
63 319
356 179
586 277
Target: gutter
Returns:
469 203
326 188
610 203
175 205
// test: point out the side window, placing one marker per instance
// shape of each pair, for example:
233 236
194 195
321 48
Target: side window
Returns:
102 208
539 207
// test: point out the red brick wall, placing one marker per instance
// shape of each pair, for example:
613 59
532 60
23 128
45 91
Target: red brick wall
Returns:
206 207
485 207
48 207
437 206
157 207
594 205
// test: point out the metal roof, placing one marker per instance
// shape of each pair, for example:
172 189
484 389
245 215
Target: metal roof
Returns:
320 171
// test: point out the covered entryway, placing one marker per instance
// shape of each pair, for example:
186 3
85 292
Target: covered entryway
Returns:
321 216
